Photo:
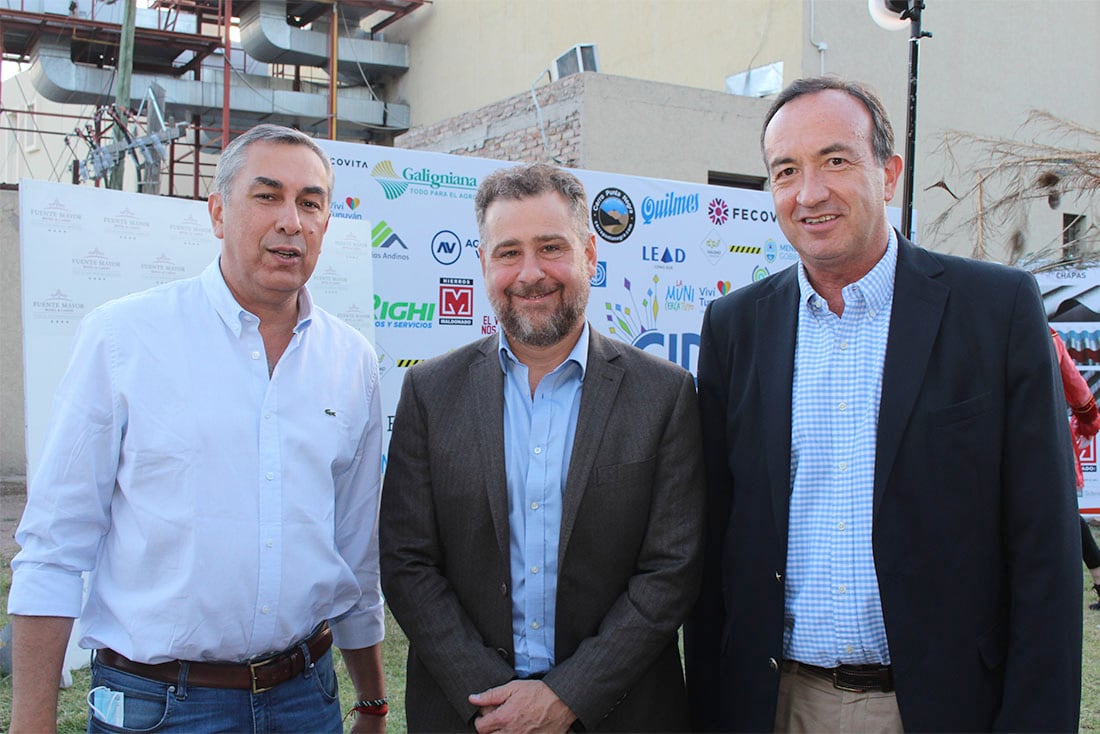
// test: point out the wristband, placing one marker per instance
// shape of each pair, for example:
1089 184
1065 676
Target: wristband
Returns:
371 707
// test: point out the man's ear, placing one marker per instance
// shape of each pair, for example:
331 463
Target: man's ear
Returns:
216 207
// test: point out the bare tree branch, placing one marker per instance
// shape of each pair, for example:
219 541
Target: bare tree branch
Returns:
1054 161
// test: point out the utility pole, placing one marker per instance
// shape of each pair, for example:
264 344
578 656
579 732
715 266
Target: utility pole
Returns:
124 71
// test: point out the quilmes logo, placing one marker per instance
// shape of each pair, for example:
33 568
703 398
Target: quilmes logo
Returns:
402 314
456 301
387 245
639 326
672 205
346 209
423 180
447 247
613 215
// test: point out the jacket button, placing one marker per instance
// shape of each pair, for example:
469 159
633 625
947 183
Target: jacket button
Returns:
773 664
504 589
503 653
779 576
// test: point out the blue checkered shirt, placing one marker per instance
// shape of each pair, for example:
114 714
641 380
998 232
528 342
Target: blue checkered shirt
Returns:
833 614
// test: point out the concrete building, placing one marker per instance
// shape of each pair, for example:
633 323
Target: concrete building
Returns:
659 104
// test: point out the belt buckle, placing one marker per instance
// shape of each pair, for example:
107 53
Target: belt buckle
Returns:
844 686
252 667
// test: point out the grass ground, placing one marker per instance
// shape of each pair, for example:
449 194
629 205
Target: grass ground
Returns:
72 709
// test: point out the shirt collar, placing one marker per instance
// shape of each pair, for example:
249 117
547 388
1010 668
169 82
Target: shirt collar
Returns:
876 287
232 313
579 354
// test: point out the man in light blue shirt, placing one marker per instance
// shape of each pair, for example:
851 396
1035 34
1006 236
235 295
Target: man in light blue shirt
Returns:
213 459
541 519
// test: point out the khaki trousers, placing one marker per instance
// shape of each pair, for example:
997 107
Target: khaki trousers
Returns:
808 703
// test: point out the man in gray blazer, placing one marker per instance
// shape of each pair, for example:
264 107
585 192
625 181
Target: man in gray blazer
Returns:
542 507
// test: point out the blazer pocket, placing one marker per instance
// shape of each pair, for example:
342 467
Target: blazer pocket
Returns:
993 647
960 412
635 472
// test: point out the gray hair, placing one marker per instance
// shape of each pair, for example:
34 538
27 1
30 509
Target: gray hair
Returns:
233 157
882 133
521 182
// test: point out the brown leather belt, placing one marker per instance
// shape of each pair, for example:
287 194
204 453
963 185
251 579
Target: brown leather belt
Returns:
855 678
257 675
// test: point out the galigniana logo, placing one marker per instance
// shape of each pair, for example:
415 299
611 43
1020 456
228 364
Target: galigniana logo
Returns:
718 211
394 185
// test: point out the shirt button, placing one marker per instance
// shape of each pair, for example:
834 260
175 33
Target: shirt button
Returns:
843 466
265 609
849 649
843 345
534 569
267 416
538 450
842 407
841 526
270 475
842 589
534 625
270 543
255 355
534 505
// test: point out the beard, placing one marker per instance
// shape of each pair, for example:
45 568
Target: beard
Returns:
546 331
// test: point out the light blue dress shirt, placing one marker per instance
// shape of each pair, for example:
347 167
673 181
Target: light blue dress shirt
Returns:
538 444
225 511
833 613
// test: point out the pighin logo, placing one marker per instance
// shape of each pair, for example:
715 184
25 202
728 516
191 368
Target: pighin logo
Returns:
424 181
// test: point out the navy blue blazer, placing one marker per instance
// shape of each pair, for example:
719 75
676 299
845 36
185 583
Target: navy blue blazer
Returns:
974 543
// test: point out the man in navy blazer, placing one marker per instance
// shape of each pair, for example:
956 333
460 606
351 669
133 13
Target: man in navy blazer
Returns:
891 520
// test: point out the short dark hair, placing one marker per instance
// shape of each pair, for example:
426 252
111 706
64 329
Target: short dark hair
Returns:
882 132
521 182
233 157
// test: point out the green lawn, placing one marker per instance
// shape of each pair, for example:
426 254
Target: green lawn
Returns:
72 710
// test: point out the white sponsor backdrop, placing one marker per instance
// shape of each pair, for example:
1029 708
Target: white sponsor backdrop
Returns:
82 246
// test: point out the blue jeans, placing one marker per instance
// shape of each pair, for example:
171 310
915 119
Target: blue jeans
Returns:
306 703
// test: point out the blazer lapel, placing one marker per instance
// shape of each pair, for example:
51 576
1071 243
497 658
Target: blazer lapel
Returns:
487 388
601 384
774 350
919 301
